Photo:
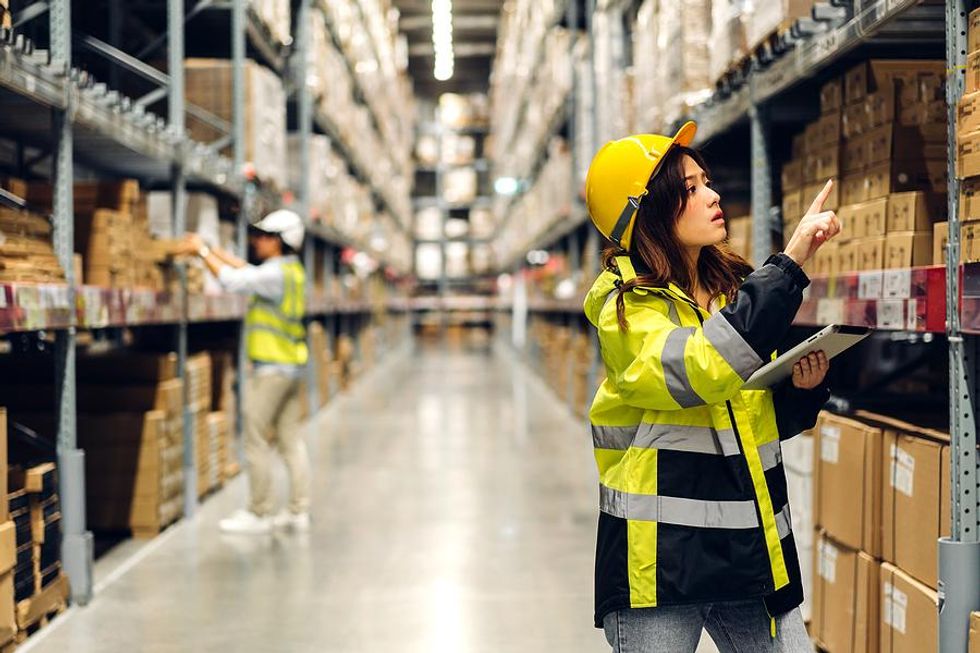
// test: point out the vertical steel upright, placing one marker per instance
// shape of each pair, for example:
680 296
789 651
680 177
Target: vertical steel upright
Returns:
761 191
592 241
175 99
304 100
77 545
242 219
959 555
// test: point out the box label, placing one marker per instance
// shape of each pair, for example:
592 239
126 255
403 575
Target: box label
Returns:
827 564
903 471
912 315
869 285
891 314
830 444
898 284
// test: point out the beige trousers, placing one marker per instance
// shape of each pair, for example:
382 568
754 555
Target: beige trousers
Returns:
273 415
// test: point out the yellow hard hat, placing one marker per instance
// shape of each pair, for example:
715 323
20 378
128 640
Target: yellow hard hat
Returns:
618 178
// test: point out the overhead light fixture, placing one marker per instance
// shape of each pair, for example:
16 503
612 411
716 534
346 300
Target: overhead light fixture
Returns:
442 39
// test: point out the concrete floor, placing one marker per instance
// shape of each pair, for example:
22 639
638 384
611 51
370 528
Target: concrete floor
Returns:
454 511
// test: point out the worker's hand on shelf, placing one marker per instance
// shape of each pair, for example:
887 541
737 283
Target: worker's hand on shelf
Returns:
811 370
816 228
189 245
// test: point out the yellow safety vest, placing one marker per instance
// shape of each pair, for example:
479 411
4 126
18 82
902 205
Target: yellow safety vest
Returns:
693 501
275 332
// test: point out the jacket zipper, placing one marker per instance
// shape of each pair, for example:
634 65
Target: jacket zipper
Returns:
738 438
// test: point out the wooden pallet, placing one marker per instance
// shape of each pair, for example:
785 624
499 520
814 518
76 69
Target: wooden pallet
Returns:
36 612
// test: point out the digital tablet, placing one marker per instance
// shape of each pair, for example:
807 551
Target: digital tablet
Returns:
831 340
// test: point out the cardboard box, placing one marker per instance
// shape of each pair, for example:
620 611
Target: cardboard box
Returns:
973 645
846 602
849 482
854 120
871 217
853 188
792 175
880 107
8 621
940 237
909 613
831 96
822 164
968 154
972 72
968 114
973 32
914 211
4 505
870 253
793 205
856 83
829 129
969 200
894 142
847 257
8 546
906 175
854 157
907 249
851 227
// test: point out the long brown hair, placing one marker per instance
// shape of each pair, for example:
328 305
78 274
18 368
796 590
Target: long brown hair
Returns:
654 241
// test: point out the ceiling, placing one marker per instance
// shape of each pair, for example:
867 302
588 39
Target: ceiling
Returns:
475 24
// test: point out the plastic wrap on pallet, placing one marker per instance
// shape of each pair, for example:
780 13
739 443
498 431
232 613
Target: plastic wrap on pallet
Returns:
729 34
771 16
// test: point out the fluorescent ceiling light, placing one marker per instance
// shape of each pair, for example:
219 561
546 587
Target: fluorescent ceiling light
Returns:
442 39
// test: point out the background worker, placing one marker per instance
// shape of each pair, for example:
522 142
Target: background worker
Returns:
694 524
276 346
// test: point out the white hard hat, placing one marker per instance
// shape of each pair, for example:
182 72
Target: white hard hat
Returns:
286 224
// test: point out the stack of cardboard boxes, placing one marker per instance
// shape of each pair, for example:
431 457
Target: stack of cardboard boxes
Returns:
883 136
881 502
968 152
112 235
206 440
208 86
26 251
223 402
8 551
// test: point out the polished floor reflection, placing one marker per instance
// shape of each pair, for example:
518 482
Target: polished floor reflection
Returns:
454 511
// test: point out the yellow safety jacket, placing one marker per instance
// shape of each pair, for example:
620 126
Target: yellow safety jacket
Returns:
692 494
275 332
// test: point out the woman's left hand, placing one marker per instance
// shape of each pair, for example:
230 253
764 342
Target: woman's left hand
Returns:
810 371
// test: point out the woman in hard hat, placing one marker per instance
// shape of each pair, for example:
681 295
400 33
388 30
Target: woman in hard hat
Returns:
694 523
275 341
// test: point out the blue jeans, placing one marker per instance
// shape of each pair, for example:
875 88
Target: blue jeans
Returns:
735 627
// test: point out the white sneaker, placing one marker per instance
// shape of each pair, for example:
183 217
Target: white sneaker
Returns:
245 522
289 521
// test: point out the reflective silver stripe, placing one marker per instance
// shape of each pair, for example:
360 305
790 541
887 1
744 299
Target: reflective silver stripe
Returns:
696 439
675 370
613 437
770 454
678 511
729 343
672 313
784 522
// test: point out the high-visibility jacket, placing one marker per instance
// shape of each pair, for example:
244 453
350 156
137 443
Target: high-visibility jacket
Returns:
693 500
275 332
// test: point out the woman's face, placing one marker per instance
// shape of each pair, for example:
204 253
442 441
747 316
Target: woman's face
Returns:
702 223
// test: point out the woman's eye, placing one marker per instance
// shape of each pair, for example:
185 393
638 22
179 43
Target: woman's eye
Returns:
692 189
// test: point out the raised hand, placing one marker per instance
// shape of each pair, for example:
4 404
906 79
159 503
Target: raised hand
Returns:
816 228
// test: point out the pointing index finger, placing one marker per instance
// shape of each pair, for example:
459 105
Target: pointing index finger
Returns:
822 196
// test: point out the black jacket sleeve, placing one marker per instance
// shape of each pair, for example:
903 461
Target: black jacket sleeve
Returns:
766 304
796 409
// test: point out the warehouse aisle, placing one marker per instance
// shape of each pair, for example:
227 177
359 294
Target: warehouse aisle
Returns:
454 511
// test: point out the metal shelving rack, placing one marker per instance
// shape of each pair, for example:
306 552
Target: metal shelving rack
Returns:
114 135
936 300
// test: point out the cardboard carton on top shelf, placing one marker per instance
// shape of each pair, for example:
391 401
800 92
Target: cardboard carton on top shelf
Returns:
831 96
792 174
972 72
771 16
871 253
940 237
848 496
879 74
906 249
909 613
793 205
973 32
915 210
846 605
